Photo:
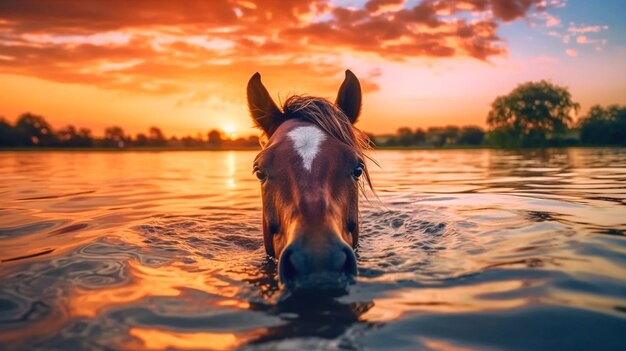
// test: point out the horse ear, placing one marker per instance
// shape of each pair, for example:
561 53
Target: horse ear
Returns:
349 97
264 111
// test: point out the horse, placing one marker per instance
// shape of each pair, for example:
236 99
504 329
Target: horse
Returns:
311 168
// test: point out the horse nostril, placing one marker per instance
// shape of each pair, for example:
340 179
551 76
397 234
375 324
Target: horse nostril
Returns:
286 270
344 261
292 264
349 266
297 262
339 259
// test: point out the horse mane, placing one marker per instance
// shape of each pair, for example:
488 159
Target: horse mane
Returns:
328 117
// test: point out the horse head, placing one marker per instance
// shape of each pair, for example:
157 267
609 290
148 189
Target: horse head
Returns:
311 168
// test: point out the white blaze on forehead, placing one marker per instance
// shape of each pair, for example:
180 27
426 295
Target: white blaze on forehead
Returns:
306 142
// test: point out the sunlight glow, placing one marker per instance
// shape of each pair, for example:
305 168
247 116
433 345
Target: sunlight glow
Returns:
161 339
149 281
230 131
186 71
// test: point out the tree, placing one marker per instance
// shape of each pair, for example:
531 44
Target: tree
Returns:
471 135
530 114
85 138
7 133
253 140
33 130
190 141
604 126
451 135
114 137
71 137
215 138
156 137
436 136
419 136
141 140
405 136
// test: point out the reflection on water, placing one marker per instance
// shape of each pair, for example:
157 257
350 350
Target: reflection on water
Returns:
474 249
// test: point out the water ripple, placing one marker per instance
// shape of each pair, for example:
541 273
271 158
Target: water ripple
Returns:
168 254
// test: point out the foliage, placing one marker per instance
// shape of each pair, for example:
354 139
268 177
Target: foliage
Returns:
601 126
531 114
604 126
471 135
33 130
71 137
115 137
215 137
434 137
404 136
7 133
156 137
141 140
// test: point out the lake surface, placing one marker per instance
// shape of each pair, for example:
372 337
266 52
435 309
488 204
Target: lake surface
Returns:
463 250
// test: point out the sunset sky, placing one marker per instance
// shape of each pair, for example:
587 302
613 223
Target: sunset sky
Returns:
184 65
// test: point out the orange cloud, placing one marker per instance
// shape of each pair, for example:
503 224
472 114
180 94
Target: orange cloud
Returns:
582 39
164 47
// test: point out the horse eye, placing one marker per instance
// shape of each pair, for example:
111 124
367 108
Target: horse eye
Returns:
260 175
358 171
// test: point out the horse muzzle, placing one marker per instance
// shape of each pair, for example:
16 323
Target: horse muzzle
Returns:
330 266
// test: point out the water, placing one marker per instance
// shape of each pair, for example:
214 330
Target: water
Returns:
464 250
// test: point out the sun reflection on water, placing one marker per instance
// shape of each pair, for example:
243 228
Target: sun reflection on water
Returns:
164 251
161 339
146 281
460 299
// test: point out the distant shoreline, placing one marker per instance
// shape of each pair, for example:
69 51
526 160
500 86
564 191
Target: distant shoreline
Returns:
127 149
377 148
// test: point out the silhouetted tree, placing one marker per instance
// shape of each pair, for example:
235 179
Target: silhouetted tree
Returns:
530 113
604 126
7 133
471 135
85 137
189 141
404 136
114 137
141 140
387 140
33 130
156 137
436 136
253 140
419 136
451 135
71 137
215 138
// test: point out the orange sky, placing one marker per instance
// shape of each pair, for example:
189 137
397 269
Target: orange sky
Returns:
183 66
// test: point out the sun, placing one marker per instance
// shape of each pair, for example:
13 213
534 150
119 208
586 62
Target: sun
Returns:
230 131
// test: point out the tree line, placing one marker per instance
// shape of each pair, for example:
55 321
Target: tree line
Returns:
433 137
534 114
31 130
